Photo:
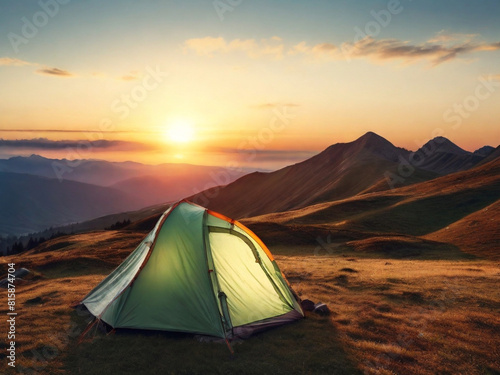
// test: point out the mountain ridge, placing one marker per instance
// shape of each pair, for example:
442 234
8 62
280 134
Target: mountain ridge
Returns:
338 172
442 156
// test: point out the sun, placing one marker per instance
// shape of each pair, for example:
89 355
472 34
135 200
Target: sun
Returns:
181 131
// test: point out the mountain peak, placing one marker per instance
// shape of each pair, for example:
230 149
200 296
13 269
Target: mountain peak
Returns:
367 145
374 139
443 144
370 136
32 157
36 157
484 151
375 143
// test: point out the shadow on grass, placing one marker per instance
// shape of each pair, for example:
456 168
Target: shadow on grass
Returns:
395 249
309 346
429 214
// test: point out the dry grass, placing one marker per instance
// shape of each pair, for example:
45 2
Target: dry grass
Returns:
478 232
408 317
389 316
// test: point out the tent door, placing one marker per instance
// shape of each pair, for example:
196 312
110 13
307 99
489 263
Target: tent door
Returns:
251 292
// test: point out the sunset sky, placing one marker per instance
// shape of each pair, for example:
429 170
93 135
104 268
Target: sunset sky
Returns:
263 83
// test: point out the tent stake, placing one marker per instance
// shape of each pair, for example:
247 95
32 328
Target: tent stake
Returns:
229 346
89 327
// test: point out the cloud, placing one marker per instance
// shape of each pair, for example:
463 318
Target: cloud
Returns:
274 105
266 155
445 37
317 51
47 144
128 77
489 47
435 52
54 72
207 46
134 75
442 47
9 61
60 131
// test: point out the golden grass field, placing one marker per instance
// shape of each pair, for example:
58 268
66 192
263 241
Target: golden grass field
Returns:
389 316
408 316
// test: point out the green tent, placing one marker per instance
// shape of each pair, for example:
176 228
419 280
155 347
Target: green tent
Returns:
196 271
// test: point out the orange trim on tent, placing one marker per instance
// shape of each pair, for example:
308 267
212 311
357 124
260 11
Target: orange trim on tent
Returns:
257 239
220 216
246 230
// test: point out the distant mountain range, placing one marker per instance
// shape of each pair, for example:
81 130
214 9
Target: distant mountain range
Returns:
37 193
30 203
368 164
32 198
105 173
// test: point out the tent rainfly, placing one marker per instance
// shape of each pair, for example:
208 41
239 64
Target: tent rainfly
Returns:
200 272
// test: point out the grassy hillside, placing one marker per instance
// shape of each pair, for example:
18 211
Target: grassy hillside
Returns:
477 232
388 316
416 210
